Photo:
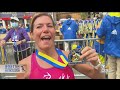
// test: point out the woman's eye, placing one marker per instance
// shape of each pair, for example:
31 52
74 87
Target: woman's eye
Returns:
39 27
50 26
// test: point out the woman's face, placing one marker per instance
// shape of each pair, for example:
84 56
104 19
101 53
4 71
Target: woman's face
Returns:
43 32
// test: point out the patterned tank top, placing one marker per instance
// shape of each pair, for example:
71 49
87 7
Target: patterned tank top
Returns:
38 72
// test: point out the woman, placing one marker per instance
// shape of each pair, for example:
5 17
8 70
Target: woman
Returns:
51 63
19 36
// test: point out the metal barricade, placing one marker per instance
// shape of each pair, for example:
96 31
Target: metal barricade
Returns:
7 54
82 42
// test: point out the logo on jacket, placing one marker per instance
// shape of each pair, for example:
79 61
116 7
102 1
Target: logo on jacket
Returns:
69 28
114 32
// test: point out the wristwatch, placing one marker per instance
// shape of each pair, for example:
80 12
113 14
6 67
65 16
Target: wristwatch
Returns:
97 66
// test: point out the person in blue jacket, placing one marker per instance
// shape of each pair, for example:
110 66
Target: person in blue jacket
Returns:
110 29
2 30
69 30
27 28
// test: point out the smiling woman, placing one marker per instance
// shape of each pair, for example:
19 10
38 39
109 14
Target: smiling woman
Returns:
43 32
49 62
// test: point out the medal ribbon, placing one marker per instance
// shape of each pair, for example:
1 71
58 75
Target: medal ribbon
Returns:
52 61
15 43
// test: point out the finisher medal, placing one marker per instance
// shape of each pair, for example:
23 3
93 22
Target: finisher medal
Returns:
74 56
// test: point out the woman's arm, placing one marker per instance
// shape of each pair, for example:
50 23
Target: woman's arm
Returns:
23 75
8 36
21 41
89 71
86 69
91 57
26 36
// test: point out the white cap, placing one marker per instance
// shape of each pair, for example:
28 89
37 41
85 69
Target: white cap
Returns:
15 18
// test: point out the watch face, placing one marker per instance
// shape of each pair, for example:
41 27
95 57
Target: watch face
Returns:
74 56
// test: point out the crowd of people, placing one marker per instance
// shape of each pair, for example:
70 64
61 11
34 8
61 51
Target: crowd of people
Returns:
6 30
84 26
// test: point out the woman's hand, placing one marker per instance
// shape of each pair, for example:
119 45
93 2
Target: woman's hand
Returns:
90 55
94 70
19 42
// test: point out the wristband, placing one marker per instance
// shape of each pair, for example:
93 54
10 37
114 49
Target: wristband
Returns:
97 66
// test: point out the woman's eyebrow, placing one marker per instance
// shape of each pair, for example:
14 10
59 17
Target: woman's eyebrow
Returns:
43 23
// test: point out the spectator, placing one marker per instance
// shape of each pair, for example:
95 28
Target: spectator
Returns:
2 30
19 36
69 30
27 28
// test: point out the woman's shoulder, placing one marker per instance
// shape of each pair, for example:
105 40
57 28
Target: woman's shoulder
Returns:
25 61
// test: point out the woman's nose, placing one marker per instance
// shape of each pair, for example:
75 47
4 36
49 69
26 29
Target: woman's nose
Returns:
45 28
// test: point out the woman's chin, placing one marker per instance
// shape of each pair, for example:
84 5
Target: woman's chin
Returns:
45 47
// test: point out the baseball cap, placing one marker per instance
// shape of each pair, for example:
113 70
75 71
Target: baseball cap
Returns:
15 18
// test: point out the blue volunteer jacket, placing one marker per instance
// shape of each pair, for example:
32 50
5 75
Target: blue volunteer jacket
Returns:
69 29
2 31
110 28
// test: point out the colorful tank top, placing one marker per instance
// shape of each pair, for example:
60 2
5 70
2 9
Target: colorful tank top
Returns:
38 72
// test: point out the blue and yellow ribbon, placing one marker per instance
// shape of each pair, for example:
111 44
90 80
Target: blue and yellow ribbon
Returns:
52 61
